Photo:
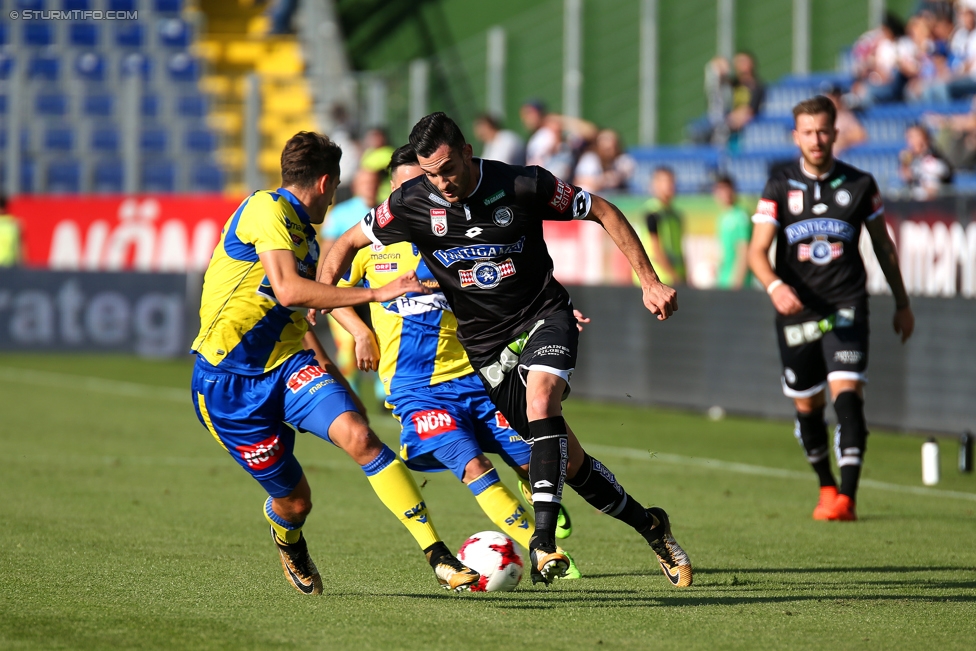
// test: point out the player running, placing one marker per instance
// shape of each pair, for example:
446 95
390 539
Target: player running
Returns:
478 226
447 419
814 209
253 384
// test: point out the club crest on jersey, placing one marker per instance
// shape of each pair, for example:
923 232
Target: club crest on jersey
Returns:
794 201
438 221
487 274
820 251
562 197
843 198
502 216
477 252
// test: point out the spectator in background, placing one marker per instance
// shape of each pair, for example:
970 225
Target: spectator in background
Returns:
376 150
962 49
604 167
850 131
711 128
343 216
956 137
541 141
341 134
665 229
500 144
748 93
10 237
884 60
734 230
281 13
923 169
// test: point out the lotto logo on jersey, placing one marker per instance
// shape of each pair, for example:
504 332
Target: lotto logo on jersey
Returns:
263 454
438 221
383 214
433 422
487 275
501 422
300 378
766 208
562 197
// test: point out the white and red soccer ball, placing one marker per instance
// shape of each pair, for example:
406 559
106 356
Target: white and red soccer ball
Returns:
494 556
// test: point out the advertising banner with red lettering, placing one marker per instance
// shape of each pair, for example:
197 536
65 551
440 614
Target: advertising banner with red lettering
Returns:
152 233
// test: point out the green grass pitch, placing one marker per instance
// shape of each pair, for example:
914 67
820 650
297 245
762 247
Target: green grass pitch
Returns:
125 526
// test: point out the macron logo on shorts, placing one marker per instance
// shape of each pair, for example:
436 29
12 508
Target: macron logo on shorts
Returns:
432 422
261 455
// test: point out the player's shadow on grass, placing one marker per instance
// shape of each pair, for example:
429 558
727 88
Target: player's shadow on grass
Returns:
822 570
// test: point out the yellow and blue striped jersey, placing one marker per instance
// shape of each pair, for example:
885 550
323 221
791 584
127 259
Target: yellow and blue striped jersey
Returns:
417 333
243 329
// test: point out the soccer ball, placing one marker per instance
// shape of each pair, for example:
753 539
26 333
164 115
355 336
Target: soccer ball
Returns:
492 555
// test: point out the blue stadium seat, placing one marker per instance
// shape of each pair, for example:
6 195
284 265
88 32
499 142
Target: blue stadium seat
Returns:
37 33
200 141
29 5
122 5
693 166
90 66
76 5
27 168
3 34
206 177
106 139
158 175
43 67
191 106
766 135
84 34
886 129
59 139
183 68
964 182
174 33
751 171
98 104
154 140
167 7
53 104
130 35
6 64
883 165
64 176
150 106
107 176
136 63
3 104
24 139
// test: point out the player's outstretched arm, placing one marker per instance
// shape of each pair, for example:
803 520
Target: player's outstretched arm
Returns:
782 295
660 299
367 351
884 248
311 342
341 255
293 291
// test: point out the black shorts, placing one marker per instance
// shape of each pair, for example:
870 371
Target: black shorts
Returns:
816 352
550 346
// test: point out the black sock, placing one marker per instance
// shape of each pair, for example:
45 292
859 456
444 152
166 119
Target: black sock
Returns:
436 552
547 473
597 485
811 433
852 438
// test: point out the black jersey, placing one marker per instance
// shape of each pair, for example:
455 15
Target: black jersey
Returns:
486 251
819 221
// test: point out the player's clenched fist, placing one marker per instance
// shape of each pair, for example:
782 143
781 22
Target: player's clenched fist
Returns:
785 300
405 284
661 300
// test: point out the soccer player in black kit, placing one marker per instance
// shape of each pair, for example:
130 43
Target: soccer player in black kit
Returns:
814 209
478 225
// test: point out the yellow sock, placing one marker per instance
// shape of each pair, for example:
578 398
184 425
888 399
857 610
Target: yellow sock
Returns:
395 487
287 532
502 507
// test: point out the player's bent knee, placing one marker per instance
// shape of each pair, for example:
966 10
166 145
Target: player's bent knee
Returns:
351 433
293 509
810 404
476 468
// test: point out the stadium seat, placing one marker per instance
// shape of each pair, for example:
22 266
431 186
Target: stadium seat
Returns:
154 140
766 134
886 130
106 139
122 5
84 34
6 64
3 104
38 34
130 35
150 106
693 166
64 176
90 66
108 176
76 5
51 104
98 104
43 67
158 175
27 168
3 34
174 33
59 139
183 68
200 141
29 5
191 106
964 182
167 7
136 63
206 177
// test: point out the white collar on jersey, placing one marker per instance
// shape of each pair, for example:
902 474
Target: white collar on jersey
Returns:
822 177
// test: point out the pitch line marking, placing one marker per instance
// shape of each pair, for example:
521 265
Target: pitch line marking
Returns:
748 469
169 394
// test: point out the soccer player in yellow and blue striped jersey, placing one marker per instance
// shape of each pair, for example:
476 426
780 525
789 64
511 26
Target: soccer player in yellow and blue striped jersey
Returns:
254 384
447 419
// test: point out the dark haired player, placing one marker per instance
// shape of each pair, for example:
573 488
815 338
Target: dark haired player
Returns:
814 209
253 384
478 226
